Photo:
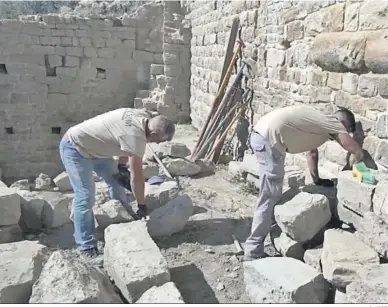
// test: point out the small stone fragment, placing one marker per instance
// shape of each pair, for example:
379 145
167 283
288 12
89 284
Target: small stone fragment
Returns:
181 167
165 294
43 182
62 182
111 212
172 149
21 185
150 170
159 195
312 257
220 286
286 246
209 250
31 211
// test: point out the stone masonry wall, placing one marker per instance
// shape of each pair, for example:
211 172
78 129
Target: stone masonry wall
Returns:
326 53
56 71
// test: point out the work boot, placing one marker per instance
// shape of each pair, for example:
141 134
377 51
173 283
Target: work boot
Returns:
92 256
250 258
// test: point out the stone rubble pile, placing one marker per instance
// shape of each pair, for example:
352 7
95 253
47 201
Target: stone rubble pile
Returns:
34 273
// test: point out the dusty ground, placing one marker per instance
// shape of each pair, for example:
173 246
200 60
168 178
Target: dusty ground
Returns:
201 257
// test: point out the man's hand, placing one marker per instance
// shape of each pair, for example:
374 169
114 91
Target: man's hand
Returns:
142 211
324 183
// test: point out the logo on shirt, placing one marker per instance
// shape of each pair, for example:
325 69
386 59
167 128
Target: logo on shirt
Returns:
128 117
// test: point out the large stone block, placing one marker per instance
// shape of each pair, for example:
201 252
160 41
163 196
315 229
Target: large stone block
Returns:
371 287
31 211
165 294
347 215
9 207
286 246
172 149
181 166
353 193
21 264
380 200
283 281
312 257
373 231
57 209
339 264
352 16
133 260
43 182
110 212
350 83
329 19
11 233
275 57
372 15
66 280
303 216
170 218
62 182
339 52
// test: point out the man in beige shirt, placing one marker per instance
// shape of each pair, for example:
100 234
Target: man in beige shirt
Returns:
293 129
91 145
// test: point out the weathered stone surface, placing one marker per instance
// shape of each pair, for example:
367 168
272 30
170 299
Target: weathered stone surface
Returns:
57 209
340 297
62 182
381 156
170 218
367 85
9 207
283 280
236 171
286 246
303 216
207 166
150 170
294 30
312 257
165 294
172 149
330 19
350 83
372 15
339 52
66 280
111 212
351 16
347 215
11 233
20 266
31 211
21 185
133 260
376 52
250 164
43 182
339 264
382 125
159 195
353 193
371 287
181 166
294 176
380 200
370 144
373 231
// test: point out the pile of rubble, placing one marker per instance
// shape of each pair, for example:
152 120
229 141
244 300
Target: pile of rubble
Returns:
133 263
324 258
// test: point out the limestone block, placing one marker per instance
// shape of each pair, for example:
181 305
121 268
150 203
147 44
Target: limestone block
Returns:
157 69
110 212
56 211
312 257
165 294
334 80
376 51
71 61
283 281
353 193
159 195
352 16
181 166
11 233
172 70
250 164
294 176
43 182
294 30
75 283
335 153
150 170
372 15
21 264
350 83
21 185
9 207
380 200
284 245
74 51
133 260
339 52
367 85
303 216
330 19
371 286
275 57
381 156
31 211
370 144
55 60
207 166
85 42
347 215
339 264
373 231
170 218
172 149
62 182
171 58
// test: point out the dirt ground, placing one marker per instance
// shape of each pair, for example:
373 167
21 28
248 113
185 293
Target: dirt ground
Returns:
201 257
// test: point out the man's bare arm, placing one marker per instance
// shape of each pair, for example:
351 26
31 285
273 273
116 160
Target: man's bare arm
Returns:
137 179
349 144
312 163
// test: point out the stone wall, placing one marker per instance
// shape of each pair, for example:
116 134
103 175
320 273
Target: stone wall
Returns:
56 71
325 53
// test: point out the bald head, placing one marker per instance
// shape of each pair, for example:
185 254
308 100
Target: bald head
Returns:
347 119
161 129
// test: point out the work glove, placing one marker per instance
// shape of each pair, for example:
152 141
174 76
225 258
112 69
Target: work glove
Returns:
325 183
142 211
123 177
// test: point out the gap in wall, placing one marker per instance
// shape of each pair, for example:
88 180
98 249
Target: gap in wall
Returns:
3 69
9 130
55 130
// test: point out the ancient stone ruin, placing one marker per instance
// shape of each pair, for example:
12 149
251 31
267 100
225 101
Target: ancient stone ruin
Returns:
328 245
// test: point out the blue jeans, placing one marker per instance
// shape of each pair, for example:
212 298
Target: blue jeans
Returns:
80 172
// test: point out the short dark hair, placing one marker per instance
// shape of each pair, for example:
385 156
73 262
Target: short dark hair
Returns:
347 116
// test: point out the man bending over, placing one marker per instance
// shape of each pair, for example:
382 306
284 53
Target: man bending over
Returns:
293 129
90 146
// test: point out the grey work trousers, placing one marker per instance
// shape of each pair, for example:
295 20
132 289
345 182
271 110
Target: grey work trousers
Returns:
271 171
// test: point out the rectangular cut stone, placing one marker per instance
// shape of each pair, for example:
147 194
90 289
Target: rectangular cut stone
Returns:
382 125
353 193
340 264
166 294
286 246
312 257
283 281
350 83
380 200
373 231
55 60
303 216
9 207
11 233
347 216
133 259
